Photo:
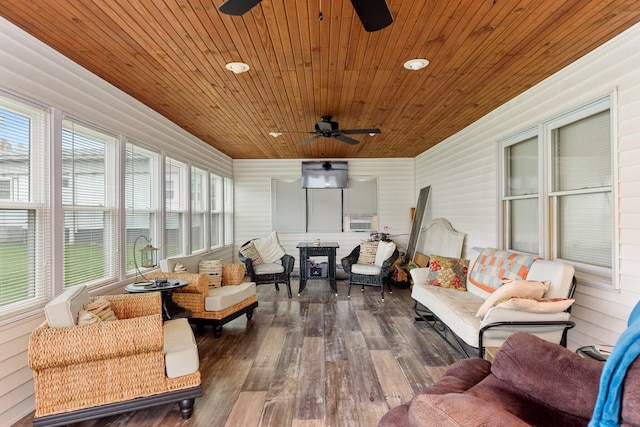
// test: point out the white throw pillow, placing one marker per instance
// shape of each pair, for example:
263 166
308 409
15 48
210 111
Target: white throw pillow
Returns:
514 288
269 248
536 305
385 250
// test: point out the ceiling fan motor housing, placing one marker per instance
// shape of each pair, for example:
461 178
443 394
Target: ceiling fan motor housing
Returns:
326 127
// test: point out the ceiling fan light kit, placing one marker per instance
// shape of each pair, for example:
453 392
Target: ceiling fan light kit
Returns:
416 64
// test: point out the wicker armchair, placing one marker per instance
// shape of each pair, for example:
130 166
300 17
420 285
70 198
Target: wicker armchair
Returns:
368 274
96 370
279 272
237 298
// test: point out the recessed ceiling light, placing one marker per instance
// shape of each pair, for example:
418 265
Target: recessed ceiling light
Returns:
416 64
237 67
275 134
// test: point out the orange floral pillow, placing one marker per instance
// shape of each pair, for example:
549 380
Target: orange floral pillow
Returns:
448 272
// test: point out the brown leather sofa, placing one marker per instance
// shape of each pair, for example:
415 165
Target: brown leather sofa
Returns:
531 382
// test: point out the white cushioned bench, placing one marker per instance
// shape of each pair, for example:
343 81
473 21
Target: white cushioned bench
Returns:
457 309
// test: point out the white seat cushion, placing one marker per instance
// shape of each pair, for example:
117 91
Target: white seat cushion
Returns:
226 296
180 350
270 268
63 310
367 269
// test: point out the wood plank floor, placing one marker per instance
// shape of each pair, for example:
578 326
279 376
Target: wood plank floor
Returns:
312 360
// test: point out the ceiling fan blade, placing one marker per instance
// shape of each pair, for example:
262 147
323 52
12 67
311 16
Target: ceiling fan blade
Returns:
313 138
374 14
357 131
237 7
346 139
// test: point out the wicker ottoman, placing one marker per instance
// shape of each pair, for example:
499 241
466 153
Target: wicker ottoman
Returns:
226 303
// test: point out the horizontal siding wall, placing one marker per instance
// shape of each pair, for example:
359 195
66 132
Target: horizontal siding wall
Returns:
252 211
462 173
29 68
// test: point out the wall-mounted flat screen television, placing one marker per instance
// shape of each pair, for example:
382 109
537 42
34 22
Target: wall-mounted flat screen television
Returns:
325 174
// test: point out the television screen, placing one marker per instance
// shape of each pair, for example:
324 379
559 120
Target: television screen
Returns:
318 174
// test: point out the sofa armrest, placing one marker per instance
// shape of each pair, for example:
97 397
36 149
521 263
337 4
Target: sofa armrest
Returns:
386 265
350 259
419 275
128 306
59 347
198 283
506 322
288 262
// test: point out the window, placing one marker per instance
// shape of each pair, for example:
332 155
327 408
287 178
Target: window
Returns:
581 192
288 207
141 200
24 214
89 204
176 199
520 194
215 215
557 192
199 215
228 211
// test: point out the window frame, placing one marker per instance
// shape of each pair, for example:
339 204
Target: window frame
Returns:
590 275
37 205
109 206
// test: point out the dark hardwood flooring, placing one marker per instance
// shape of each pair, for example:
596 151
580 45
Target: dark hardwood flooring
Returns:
312 360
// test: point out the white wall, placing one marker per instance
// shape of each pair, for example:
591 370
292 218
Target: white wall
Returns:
31 69
462 172
252 180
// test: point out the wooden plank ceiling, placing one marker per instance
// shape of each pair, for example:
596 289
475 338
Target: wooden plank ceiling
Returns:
171 56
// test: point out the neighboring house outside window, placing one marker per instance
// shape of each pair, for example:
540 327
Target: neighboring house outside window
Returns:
89 204
24 211
176 207
142 201
199 214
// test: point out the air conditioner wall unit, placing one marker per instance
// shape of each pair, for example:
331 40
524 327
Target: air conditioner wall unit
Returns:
365 223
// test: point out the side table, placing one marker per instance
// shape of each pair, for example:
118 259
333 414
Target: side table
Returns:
170 310
311 249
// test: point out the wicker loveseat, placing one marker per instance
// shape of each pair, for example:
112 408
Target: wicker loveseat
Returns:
89 371
213 306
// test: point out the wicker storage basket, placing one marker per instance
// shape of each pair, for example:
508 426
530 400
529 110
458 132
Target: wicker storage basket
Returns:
232 274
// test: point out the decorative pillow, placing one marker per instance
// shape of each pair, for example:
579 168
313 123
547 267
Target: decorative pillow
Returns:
384 251
87 318
101 307
368 252
249 251
179 268
213 269
514 288
494 265
538 305
448 272
269 248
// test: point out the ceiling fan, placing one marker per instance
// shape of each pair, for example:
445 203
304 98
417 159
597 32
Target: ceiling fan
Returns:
374 14
328 129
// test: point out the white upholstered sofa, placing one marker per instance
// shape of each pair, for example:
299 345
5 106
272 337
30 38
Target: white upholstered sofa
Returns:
453 313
